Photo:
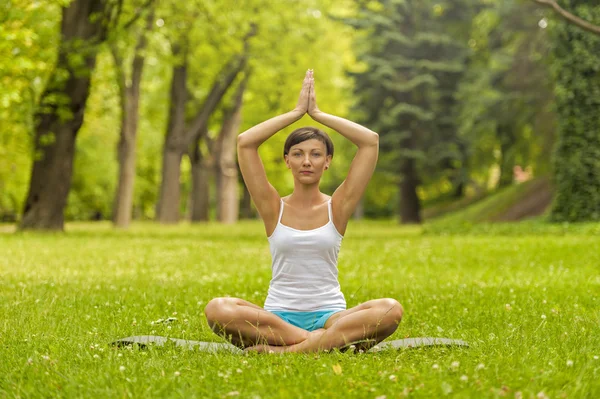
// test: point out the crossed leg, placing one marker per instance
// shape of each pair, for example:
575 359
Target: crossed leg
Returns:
249 325
246 324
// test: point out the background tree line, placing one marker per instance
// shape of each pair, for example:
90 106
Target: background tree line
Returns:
130 109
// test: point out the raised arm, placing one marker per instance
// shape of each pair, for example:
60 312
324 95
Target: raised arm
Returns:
263 194
348 194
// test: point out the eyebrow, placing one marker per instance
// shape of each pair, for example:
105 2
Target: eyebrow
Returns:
312 149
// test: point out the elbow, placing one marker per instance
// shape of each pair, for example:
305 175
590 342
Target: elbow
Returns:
374 140
242 141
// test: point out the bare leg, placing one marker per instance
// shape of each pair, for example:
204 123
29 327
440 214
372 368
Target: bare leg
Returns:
247 324
376 320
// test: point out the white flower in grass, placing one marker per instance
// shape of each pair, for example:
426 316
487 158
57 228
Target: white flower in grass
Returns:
518 395
238 370
464 378
569 363
543 317
177 374
455 365
480 366
96 356
46 357
121 368
595 357
120 355
435 366
30 361
392 377
542 395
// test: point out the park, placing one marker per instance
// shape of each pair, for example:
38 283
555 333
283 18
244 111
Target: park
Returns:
260 199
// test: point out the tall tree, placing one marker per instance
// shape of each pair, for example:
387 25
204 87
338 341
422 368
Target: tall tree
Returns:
30 54
407 92
507 88
181 135
129 94
84 26
228 202
577 69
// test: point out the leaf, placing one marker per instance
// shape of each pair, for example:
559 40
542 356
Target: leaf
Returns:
337 369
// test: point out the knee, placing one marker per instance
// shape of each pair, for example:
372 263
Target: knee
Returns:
392 310
217 310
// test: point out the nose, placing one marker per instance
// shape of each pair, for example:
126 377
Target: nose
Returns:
306 161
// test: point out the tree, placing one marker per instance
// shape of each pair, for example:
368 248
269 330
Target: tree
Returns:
129 95
407 93
507 93
29 37
228 202
576 66
567 16
84 26
181 135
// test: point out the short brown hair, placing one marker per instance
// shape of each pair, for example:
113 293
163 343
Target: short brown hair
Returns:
307 133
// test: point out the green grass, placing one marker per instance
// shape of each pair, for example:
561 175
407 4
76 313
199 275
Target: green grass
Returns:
527 303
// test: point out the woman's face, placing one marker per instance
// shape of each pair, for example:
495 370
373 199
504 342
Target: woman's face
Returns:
307 160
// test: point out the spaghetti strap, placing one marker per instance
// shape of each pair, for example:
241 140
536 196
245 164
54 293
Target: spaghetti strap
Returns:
280 211
329 211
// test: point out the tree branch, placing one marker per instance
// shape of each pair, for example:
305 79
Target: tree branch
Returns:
583 24
138 13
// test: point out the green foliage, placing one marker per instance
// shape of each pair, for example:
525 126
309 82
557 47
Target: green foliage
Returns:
525 302
505 114
407 87
576 161
95 168
28 40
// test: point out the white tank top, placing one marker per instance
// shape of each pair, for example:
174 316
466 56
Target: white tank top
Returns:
305 274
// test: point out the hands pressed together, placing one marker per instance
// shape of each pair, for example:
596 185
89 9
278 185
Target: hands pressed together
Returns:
307 102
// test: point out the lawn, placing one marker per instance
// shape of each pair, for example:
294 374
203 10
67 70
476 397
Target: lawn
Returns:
528 304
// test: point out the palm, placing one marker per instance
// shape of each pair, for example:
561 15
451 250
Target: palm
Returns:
312 102
304 94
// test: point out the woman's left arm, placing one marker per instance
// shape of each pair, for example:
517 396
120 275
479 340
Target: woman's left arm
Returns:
348 194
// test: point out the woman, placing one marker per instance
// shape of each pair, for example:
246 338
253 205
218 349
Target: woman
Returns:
305 310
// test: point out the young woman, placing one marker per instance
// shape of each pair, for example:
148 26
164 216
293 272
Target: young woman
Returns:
305 311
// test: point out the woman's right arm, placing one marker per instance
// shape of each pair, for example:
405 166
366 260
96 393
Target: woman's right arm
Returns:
263 194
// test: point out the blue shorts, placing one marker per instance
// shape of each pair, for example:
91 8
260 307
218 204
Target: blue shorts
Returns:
308 321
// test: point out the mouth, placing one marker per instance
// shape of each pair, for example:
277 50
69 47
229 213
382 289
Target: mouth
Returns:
305 172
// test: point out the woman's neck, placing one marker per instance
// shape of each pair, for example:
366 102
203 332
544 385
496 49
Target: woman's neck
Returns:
306 195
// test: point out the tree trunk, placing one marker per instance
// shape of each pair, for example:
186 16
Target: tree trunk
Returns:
359 212
202 172
130 99
58 124
167 209
228 205
181 137
410 207
246 211
507 158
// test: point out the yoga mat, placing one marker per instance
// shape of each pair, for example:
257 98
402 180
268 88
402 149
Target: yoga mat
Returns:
214 347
